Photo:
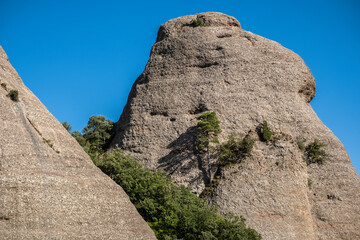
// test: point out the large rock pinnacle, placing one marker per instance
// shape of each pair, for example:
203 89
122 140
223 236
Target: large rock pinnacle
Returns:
49 187
245 79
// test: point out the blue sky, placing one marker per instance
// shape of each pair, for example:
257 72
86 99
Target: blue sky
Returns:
81 58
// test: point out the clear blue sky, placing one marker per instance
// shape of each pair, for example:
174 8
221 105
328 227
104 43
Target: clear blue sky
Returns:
81 58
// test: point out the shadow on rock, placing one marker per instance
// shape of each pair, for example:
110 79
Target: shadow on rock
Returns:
183 158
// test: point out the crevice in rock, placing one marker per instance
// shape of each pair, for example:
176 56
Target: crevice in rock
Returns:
198 109
204 171
44 140
205 64
224 35
251 39
4 218
307 92
161 113
333 197
142 79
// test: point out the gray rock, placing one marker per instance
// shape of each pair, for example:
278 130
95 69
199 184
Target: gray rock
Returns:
245 79
49 187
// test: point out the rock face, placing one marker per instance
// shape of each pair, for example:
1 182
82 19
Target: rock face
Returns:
49 187
245 79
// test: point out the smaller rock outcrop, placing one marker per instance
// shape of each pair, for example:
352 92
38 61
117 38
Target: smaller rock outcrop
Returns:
49 187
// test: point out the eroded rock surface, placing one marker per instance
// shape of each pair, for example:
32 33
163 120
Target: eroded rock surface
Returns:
245 79
49 187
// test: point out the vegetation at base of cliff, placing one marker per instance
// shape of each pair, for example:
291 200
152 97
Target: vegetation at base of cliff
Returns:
234 149
208 128
67 126
13 95
265 133
96 135
172 212
198 22
314 152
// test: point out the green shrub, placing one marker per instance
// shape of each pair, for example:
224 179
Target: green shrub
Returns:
266 133
198 22
208 128
301 144
172 212
235 149
314 152
14 95
4 85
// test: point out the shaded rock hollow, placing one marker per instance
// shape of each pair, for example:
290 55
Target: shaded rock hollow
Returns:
245 79
49 187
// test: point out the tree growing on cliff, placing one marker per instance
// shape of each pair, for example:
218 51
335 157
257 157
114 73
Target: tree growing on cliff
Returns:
266 133
208 128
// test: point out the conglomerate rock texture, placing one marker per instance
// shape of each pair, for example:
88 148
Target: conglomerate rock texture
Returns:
49 187
245 79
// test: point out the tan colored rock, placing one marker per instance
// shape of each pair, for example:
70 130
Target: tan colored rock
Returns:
49 187
245 79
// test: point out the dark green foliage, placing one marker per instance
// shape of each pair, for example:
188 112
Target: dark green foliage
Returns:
314 152
97 132
235 149
301 144
208 128
210 189
198 22
67 126
79 137
172 212
4 85
208 123
96 135
266 133
14 95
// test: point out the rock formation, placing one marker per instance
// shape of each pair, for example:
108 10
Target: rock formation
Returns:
214 65
49 187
